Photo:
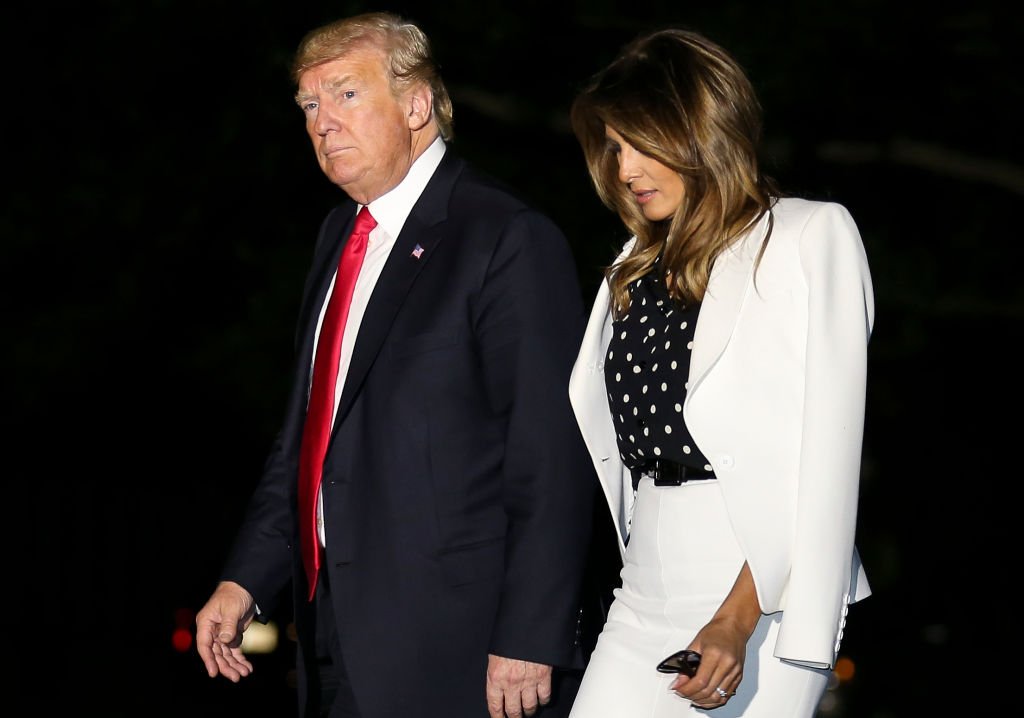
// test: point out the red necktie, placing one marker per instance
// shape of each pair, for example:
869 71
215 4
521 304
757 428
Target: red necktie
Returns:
320 410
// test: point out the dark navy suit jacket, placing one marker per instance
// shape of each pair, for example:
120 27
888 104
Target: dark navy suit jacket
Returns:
457 490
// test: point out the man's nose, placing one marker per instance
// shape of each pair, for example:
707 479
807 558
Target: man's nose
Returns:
326 119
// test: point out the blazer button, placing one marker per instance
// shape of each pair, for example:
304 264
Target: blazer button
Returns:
725 461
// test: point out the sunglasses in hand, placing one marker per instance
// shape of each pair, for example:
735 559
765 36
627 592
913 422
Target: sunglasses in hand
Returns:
685 662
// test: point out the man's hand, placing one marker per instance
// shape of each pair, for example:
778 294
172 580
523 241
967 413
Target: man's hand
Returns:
516 688
219 628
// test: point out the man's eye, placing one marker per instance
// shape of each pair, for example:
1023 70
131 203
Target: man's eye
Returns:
348 94
308 107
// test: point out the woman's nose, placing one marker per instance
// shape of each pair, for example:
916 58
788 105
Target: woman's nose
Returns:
628 169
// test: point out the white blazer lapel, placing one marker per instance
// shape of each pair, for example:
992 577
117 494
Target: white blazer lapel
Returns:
731 279
589 398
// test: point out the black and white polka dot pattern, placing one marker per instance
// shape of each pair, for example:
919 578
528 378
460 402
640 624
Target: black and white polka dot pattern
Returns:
646 372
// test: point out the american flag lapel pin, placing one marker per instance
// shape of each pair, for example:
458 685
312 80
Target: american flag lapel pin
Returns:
417 252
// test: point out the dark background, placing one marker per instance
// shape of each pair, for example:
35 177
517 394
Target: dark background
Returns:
160 209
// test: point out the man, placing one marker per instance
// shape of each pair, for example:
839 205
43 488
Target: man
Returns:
452 517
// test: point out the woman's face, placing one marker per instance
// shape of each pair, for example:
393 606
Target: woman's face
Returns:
657 188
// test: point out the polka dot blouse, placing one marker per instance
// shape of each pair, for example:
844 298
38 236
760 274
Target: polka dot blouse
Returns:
646 374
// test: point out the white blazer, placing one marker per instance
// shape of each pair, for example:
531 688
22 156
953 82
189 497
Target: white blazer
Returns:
776 403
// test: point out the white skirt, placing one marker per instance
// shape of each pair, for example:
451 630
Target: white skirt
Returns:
681 561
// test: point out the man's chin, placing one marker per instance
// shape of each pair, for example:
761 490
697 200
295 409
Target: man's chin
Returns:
339 176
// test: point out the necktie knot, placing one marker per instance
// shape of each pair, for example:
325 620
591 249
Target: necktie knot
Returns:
364 222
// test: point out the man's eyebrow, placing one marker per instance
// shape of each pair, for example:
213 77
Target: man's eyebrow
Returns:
338 82
331 86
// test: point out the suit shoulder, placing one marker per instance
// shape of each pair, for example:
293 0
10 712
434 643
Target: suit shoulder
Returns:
479 198
820 231
797 212
479 186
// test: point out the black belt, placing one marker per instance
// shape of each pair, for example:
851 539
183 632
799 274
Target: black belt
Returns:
669 473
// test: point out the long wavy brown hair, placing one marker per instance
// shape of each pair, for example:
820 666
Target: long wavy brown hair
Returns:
681 99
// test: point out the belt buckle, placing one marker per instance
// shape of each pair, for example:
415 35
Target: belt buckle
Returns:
660 480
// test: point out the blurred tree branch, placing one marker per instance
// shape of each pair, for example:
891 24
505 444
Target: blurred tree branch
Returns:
941 160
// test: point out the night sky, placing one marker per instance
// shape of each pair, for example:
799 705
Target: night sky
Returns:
161 207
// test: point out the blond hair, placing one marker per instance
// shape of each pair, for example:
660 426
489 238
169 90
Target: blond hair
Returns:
407 49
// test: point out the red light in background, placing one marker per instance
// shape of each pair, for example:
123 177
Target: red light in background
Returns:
181 639
844 669
184 622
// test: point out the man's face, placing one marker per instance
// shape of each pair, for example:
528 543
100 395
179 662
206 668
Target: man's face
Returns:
361 132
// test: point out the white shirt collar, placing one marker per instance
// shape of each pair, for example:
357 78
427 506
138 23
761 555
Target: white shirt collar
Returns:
393 207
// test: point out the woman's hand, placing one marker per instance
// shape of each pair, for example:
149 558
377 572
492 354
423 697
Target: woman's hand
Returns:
722 644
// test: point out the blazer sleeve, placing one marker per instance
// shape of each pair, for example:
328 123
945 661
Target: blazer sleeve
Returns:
528 322
262 555
840 315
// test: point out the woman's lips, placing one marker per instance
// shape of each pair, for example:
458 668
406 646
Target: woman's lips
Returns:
643 196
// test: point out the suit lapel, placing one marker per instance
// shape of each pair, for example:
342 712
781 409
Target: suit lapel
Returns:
325 263
730 280
422 232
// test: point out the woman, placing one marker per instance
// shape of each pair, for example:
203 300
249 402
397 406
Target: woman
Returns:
720 389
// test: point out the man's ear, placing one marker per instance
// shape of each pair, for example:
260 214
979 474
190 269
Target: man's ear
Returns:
420 107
